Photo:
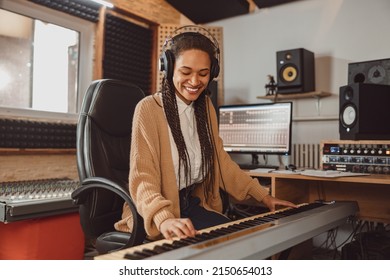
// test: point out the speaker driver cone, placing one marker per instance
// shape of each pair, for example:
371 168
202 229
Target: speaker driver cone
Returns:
348 116
376 74
348 93
289 73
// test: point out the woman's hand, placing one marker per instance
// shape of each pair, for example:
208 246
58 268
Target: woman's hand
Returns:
271 202
181 228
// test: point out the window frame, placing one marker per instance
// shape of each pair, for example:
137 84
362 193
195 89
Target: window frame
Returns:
86 30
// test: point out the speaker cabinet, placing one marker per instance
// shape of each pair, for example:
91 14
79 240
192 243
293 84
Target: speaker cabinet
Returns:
370 72
364 112
295 71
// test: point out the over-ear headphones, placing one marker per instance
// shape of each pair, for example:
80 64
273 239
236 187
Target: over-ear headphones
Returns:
167 58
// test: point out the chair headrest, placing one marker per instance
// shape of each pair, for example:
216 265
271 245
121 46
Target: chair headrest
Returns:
111 105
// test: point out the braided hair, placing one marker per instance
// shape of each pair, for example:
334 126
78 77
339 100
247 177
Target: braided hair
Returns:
201 115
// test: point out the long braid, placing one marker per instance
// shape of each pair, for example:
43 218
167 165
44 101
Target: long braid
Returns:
171 111
206 143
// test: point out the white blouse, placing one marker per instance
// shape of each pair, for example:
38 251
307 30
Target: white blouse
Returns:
191 139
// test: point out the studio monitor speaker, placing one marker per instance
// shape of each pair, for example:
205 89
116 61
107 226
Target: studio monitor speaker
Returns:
295 71
370 72
364 112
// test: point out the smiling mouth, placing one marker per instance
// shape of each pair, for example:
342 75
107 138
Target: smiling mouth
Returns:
192 90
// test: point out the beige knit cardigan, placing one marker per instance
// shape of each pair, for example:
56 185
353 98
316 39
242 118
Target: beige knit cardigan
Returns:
152 179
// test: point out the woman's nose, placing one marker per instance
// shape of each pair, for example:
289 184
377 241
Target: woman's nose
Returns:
194 80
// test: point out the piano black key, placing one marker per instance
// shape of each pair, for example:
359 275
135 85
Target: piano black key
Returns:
137 255
216 233
195 239
225 230
129 256
276 216
169 246
149 252
142 254
266 219
161 249
252 223
189 240
181 243
202 237
210 235
238 227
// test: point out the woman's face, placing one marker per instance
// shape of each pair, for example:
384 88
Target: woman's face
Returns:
191 74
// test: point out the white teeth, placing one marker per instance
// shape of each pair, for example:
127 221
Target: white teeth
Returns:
192 89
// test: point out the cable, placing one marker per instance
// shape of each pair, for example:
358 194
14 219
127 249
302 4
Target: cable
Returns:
330 244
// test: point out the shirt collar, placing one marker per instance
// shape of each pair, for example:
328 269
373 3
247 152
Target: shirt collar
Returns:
182 106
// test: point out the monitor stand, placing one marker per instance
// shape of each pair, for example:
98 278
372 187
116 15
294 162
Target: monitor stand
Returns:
255 164
255 159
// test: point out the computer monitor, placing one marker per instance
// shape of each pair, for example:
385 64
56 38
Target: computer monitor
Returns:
263 128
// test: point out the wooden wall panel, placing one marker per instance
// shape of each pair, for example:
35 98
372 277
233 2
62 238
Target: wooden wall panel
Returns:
36 165
158 11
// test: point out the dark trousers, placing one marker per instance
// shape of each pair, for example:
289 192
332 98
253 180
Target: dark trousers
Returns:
200 217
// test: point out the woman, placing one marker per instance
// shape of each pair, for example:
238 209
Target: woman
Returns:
178 164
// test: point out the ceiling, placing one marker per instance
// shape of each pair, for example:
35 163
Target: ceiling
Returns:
205 11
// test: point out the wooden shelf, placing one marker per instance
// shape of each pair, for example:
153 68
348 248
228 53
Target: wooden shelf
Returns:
313 94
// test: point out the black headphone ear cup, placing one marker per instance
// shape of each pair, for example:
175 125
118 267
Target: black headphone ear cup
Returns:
214 69
166 63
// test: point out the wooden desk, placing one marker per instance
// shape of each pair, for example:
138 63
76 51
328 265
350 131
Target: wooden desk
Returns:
372 192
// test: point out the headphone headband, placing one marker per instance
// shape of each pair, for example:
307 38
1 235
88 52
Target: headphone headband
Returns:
167 58
200 30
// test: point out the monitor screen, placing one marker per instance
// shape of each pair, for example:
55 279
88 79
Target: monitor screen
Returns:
256 128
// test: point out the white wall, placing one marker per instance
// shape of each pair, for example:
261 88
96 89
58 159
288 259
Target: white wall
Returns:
337 31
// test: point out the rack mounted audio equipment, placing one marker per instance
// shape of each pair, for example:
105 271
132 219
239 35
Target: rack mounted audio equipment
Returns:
371 157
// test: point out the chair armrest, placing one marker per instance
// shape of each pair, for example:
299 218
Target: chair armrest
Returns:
90 184
99 182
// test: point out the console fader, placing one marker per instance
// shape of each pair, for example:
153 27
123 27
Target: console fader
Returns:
356 156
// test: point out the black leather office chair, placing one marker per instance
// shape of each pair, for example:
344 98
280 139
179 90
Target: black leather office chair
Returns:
103 152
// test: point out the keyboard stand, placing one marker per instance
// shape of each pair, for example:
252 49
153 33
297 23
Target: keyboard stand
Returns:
255 164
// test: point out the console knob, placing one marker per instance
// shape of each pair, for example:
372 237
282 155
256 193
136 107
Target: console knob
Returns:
356 169
370 169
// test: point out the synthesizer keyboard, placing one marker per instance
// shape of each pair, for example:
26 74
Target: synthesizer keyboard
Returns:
256 237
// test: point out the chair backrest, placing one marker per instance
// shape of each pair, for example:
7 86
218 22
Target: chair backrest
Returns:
103 148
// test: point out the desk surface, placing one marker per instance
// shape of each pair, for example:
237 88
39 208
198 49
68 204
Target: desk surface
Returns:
372 192
371 179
